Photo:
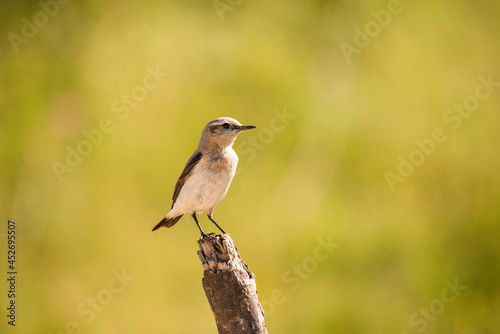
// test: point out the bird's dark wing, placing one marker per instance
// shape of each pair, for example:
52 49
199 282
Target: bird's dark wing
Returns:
193 161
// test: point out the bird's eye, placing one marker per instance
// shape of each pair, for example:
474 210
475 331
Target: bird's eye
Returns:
225 125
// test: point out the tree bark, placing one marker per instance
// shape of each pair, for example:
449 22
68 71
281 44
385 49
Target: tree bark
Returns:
230 287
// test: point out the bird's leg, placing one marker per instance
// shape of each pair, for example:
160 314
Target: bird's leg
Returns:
213 221
203 234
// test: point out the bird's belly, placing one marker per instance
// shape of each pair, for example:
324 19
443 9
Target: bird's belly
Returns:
204 189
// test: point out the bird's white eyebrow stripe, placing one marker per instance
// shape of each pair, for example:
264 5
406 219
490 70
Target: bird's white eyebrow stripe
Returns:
214 122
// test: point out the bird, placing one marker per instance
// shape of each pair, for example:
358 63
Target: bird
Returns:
207 175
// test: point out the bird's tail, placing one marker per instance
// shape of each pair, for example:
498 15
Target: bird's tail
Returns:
167 222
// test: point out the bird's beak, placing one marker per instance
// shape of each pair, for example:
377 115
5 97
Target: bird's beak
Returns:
246 127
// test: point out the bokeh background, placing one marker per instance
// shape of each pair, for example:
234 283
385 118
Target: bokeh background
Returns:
331 125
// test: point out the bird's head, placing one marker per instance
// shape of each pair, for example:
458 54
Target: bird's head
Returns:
222 131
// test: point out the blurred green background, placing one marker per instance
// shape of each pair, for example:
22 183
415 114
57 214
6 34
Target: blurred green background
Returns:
318 173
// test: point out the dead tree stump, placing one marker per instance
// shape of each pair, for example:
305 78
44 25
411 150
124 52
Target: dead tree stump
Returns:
230 287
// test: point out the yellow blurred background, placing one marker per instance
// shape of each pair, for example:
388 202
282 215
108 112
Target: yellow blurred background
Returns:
366 201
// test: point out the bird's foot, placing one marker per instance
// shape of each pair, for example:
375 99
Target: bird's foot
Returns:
209 235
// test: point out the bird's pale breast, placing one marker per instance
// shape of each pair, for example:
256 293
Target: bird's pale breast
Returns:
208 183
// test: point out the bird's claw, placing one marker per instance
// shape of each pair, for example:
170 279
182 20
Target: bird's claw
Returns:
205 235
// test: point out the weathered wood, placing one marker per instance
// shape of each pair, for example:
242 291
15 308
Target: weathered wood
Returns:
230 287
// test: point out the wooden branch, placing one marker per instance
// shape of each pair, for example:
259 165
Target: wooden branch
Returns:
230 287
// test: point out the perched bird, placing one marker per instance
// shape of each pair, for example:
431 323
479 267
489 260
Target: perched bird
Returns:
208 173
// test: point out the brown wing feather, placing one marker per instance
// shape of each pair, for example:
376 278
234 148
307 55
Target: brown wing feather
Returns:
193 161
